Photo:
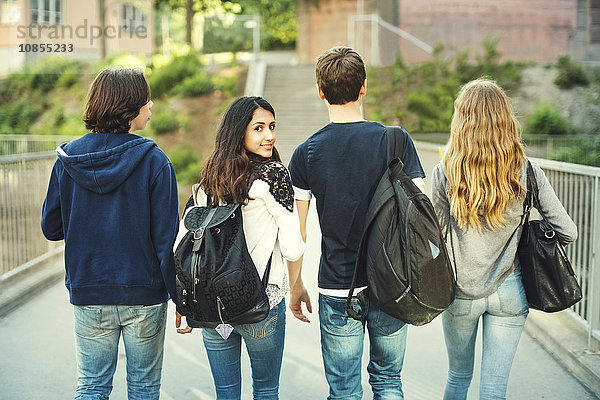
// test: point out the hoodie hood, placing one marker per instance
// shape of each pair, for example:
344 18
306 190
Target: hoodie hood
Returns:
101 162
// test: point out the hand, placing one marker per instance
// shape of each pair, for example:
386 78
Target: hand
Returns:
299 295
187 329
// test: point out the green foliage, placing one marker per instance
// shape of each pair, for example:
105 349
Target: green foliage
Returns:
121 61
16 117
507 74
164 121
57 121
51 72
425 92
186 164
545 120
226 34
194 86
226 84
53 117
586 153
172 74
38 79
277 20
421 104
570 74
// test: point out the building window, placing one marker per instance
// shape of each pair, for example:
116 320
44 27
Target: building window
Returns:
10 12
132 18
46 12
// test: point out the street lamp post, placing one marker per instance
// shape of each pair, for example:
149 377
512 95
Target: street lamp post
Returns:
253 23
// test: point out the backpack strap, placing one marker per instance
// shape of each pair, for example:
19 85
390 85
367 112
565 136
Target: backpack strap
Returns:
395 150
395 143
198 236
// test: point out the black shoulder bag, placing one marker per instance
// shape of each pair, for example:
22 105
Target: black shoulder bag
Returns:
548 277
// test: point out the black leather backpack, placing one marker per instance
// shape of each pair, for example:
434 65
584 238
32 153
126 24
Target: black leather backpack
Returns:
217 281
402 250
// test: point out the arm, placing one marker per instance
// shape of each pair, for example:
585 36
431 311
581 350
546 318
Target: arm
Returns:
164 217
52 227
279 201
552 209
439 198
298 293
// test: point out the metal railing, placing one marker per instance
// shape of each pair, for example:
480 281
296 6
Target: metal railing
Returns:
578 188
23 183
381 46
20 144
552 146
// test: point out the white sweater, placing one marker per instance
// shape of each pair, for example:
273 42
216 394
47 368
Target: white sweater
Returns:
270 221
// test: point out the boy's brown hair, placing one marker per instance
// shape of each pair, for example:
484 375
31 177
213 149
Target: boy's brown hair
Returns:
114 99
340 74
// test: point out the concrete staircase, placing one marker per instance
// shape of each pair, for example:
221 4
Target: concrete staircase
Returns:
299 112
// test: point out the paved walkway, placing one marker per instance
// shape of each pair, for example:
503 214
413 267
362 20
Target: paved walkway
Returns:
37 348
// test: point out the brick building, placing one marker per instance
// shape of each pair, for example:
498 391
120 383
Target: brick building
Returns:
527 30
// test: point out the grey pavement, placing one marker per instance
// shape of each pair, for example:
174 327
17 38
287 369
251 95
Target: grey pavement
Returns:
37 348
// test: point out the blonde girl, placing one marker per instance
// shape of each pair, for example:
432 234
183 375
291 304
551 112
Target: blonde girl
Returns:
478 192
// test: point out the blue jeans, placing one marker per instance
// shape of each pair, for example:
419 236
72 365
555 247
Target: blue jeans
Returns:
264 343
503 315
97 333
342 341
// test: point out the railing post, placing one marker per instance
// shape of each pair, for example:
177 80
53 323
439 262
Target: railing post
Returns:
375 40
350 33
594 305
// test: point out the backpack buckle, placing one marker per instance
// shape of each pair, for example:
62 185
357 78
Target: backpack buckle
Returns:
199 233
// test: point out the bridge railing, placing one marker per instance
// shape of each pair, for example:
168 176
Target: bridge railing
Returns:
20 144
23 183
578 188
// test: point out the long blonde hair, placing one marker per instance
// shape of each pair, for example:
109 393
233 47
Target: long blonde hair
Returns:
484 155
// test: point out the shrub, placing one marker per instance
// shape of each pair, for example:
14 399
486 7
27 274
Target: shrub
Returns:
186 164
51 119
226 84
421 104
46 74
17 117
545 120
172 74
194 86
570 74
163 122
586 153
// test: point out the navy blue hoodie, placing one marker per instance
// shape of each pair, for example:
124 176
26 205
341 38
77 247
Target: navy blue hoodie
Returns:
113 199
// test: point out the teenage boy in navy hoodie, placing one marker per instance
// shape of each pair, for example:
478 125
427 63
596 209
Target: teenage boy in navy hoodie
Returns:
340 165
112 197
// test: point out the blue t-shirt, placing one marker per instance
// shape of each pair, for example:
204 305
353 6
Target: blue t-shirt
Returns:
341 166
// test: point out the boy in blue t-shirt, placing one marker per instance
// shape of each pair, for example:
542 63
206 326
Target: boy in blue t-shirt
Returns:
340 165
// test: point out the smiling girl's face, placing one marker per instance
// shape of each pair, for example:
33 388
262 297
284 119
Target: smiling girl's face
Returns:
260 133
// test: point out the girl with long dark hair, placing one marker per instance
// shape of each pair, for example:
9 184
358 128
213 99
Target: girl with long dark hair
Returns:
245 168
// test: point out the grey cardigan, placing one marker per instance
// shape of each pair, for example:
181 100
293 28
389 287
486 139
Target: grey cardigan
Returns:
483 258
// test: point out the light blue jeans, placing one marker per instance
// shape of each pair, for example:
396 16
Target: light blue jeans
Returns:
97 333
342 341
264 343
503 315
